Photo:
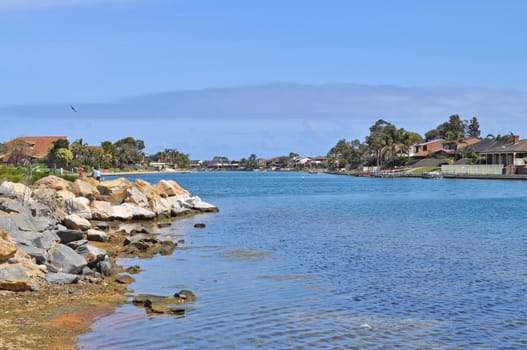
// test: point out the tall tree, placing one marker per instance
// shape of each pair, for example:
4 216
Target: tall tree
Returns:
473 128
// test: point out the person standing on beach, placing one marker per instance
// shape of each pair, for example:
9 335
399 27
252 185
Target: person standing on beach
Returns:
97 174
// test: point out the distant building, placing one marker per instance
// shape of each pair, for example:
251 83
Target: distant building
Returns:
29 148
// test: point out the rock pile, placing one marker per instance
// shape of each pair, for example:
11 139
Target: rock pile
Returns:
47 231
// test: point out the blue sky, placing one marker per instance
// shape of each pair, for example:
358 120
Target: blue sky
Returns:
90 53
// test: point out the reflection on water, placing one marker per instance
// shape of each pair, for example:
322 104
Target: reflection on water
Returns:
324 262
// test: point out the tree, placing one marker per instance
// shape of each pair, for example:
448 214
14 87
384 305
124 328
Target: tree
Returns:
381 139
53 154
64 156
128 151
473 128
345 154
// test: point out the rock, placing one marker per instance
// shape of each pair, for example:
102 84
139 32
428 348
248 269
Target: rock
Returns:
11 205
204 207
133 269
46 240
61 278
106 211
171 188
117 189
105 267
86 250
67 236
76 244
136 197
122 212
64 199
82 188
7 247
17 278
186 295
139 213
67 260
40 255
102 225
75 222
54 183
161 206
81 207
124 278
19 189
199 225
97 236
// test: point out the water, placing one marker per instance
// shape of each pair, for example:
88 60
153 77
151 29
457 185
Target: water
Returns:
299 261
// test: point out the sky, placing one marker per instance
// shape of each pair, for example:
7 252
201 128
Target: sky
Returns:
269 77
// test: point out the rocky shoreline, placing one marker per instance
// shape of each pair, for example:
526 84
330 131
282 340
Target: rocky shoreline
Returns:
58 235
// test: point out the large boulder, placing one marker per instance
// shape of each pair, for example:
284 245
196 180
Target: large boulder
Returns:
137 198
101 210
117 189
54 183
105 211
17 278
18 188
81 207
7 247
146 188
46 240
82 188
75 222
67 260
169 188
139 213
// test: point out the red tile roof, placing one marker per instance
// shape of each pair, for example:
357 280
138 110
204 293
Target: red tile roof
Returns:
37 146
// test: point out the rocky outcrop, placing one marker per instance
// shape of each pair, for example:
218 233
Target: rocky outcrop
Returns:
165 305
47 229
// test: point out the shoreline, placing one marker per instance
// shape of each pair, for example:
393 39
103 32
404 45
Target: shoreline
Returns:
44 315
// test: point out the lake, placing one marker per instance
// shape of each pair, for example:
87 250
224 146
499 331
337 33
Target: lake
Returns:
302 261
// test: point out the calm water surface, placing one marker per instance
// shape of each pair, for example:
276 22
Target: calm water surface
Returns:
299 261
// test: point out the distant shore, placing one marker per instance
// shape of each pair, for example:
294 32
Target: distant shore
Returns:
146 172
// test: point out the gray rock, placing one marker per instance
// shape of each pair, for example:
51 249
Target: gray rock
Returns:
17 278
76 222
76 244
103 225
97 236
86 250
61 278
39 254
46 240
67 260
105 267
67 236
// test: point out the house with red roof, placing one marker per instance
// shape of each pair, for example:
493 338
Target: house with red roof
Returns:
29 148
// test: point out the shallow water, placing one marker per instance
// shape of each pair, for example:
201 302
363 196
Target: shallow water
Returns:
299 261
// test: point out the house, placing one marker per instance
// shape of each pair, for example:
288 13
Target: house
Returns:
442 147
29 148
509 155
434 147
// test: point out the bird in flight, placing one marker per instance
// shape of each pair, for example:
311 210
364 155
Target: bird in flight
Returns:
73 109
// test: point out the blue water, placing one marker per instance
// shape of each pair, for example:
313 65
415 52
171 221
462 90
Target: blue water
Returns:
300 261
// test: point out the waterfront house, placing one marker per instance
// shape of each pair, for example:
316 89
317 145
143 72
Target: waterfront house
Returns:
29 148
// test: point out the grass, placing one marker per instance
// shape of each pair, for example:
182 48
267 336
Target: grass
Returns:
420 171
21 174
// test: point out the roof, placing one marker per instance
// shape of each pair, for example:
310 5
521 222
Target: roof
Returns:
500 147
487 145
38 146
